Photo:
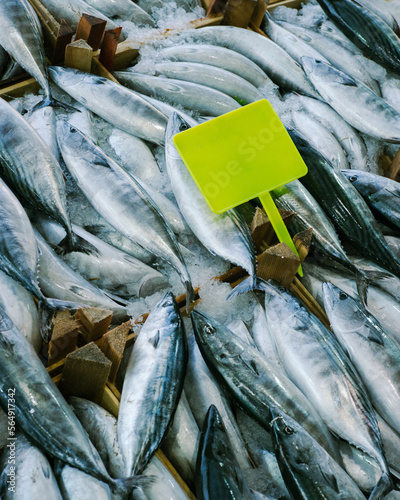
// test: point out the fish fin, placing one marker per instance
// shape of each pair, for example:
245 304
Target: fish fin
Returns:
330 479
251 365
49 101
128 484
250 283
47 310
383 487
155 340
374 337
74 243
365 278
396 27
346 80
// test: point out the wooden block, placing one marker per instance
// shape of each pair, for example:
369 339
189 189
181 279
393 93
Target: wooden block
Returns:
302 242
278 263
298 289
394 171
262 231
79 55
238 13
64 37
216 6
99 70
63 338
94 322
85 373
109 47
91 29
113 346
258 14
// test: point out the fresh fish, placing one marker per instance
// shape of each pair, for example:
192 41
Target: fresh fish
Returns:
20 307
202 390
319 367
218 474
43 120
394 244
155 374
42 412
112 102
34 478
354 101
180 443
381 305
167 109
76 484
102 429
381 9
210 76
254 382
58 280
29 166
308 470
122 9
332 51
345 207
240 329
320 138
119 199
391 91
109 269
381 193
391 444
277 64
71 11
366 30
347 137
220 57
292 44
226 235
178 92
19 253
21 38
328 28
374 353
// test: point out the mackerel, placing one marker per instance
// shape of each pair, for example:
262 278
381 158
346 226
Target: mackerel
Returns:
43 120
272 59
76 484
381 193
317 364
42 412
374 353
155 373
204 74
227 234
366 30
112 102
190 95
346 208
308 470
220 57
121 200
354 101
252 380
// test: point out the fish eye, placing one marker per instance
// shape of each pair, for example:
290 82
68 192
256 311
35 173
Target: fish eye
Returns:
73 130
282 289
342 296
353 178
210 330
288 430
183 126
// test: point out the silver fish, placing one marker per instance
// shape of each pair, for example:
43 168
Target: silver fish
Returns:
112 102
277 64
156 367
34 478
120 199
74 483
354 101
320 138
122 9
43 120
339 56
31 168
220 57
204 74
178 92
391 443
42 412
319 367
57 279
374 353
391 91
240 329
226 234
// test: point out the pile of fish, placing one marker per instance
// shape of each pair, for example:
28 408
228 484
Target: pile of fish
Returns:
249 398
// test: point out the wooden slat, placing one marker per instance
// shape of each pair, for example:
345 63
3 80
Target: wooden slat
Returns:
91 29
238 13
293 4
109 47
64 37
19 89
78 55
394 170
258 13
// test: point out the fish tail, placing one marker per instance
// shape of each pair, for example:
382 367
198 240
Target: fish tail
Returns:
74 243
49 101
250 283
47 310
128 484
383 487
365 278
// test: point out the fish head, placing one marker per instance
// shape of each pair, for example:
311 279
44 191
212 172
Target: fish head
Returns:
288 436
363 181
320 72
349 317
71 140
176 124
66 77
